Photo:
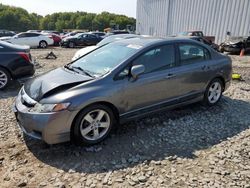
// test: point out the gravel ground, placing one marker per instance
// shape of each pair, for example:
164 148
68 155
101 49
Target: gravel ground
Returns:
193 146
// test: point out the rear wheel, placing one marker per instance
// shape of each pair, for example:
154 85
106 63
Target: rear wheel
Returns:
93 125
4 78
71 44
43 44
213 92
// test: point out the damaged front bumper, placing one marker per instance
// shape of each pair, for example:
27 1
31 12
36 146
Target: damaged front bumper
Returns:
52 127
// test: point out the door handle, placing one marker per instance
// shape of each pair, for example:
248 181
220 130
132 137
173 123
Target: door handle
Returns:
170 76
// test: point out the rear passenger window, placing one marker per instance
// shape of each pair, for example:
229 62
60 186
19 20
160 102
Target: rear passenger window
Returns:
157 59
190 53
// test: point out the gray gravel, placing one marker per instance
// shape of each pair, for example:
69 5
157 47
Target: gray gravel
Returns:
193 146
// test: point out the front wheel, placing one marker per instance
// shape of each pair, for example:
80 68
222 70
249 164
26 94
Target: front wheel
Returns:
213 92
93 125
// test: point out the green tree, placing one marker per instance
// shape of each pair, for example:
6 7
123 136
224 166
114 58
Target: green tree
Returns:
18 19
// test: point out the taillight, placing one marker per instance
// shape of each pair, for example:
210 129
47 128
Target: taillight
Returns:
51 37
24 56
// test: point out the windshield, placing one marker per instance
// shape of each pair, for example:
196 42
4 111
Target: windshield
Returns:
103 60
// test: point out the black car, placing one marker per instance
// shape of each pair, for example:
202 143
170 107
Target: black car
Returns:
81 39
15 63
235 44
6 33
98 34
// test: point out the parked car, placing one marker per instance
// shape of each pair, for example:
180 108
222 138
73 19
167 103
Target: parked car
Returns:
33 31
118 82
197 33
30 39
15 63
98 34
71 34
50 31
81 39
6 33
117 32
105 41
205 41
235 44
56 38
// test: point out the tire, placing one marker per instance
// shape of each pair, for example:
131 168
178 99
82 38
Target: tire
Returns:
43 44
5 78
89 129
213 92
71 44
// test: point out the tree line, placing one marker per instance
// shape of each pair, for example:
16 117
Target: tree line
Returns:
18 19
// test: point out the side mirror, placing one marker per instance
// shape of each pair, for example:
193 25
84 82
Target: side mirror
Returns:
136 70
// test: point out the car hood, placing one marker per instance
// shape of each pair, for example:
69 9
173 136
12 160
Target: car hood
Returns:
84 51
53 82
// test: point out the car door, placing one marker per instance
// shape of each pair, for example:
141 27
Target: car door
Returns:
196 69
33 39
19 39
158 83
82 40
93 39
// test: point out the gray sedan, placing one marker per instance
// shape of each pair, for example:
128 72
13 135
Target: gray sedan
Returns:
118 82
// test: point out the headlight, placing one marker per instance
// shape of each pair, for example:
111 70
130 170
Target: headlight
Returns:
44 108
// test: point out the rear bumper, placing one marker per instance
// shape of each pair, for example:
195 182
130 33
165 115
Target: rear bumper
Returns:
25 72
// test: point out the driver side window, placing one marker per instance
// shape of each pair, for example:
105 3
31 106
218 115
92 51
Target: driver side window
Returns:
156 59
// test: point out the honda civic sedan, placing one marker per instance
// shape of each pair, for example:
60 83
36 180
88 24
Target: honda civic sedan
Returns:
118 82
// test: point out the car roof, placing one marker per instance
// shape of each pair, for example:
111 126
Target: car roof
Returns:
148 41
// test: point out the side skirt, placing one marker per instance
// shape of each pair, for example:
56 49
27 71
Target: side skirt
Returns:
160 107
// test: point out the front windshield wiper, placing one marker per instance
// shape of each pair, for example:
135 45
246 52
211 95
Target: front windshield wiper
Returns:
69 67
82 70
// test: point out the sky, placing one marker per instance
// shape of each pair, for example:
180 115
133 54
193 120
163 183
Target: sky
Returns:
44 7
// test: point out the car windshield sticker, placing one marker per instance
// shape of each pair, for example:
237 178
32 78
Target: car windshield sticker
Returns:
134 46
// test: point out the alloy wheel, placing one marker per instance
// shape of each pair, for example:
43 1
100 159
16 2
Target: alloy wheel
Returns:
214 92
3 79
43 44
95 124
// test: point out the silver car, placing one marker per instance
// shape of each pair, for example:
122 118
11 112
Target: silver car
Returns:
118 82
